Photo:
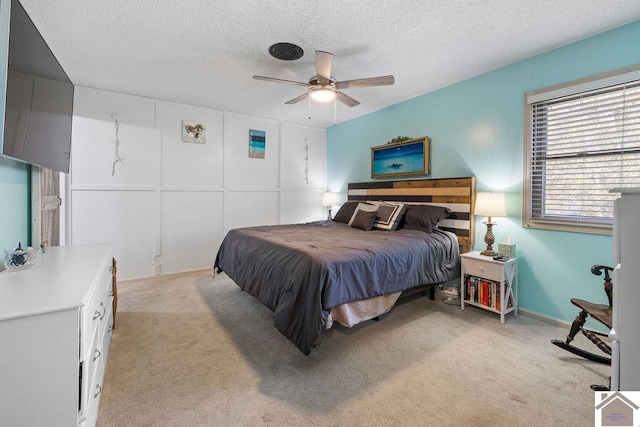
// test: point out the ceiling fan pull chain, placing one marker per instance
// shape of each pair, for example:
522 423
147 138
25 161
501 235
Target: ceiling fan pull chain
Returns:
309 108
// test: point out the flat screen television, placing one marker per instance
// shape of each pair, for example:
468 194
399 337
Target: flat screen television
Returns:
39 99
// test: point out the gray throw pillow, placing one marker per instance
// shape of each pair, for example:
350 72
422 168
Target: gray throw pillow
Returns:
389 215
367 207
345 212
363 220
424 217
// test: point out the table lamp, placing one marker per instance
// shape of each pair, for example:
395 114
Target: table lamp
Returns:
490 205
329 200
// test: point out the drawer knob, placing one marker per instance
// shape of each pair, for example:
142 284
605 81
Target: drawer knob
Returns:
481 269
98 391
97 313
96 354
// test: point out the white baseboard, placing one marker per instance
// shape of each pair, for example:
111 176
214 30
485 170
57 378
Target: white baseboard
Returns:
170 275
543 318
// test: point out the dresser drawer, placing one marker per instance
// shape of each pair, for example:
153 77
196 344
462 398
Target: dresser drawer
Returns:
90 315
484 269
93 392
93 366
106 325
95 313
88 369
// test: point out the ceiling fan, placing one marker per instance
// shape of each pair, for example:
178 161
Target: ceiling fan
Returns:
323 87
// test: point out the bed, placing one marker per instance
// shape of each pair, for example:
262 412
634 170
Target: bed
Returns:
311 275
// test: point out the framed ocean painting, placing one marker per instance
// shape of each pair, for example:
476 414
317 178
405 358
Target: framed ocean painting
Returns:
410 157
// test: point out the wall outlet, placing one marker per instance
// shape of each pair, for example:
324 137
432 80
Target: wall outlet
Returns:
156 265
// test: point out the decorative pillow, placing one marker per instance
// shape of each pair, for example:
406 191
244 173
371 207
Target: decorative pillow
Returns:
363 207
345 212
389 215
363 220
424 217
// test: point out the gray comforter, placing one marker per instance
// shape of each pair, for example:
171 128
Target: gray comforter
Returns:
301 271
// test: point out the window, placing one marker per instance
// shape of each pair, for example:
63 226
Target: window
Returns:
581 140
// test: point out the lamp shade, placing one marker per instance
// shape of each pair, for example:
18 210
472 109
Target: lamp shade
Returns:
322 94
329 199
490 204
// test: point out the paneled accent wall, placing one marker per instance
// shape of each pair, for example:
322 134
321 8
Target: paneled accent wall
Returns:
167 206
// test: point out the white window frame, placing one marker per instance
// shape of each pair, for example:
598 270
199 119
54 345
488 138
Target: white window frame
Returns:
616 77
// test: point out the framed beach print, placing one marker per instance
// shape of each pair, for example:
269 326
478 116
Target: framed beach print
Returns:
410 157
257 143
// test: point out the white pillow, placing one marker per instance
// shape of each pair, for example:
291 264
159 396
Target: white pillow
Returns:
363 207
389 215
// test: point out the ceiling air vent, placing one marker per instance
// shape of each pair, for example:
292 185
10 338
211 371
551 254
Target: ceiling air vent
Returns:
286 51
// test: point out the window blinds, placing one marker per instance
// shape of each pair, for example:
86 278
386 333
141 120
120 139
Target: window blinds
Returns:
582 146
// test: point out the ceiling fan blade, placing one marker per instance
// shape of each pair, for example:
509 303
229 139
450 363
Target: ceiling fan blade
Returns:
324 60
346 99
371 81
272 79
298 99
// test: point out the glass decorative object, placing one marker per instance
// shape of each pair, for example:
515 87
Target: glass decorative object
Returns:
19 258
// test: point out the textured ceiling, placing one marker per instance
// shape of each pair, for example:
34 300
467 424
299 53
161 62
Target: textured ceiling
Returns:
204 52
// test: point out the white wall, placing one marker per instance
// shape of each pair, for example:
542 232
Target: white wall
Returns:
169 204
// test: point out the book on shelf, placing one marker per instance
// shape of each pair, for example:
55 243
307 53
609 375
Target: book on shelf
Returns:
495 291
485 293
482 291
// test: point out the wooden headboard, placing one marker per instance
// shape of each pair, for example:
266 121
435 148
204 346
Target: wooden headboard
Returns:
458 194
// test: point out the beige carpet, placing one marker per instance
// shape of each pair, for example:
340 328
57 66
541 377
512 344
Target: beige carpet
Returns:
194 350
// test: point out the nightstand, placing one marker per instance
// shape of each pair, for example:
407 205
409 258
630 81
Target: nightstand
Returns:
489 284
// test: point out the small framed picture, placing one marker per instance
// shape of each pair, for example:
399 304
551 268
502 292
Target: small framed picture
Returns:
194 131
257 143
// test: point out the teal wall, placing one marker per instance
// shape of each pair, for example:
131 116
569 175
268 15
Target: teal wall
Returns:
14 204
14 176
476 128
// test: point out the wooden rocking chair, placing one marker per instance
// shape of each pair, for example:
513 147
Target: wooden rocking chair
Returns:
599 312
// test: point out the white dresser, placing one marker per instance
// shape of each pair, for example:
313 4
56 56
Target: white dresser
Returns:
625 363
55 328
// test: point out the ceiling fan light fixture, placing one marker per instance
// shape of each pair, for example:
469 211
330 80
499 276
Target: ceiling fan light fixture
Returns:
322 94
